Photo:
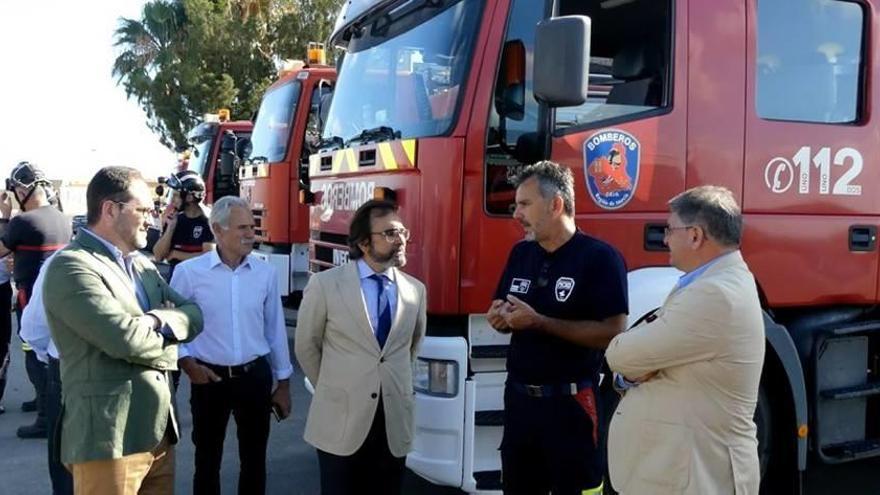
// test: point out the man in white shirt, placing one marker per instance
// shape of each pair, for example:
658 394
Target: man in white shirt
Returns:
232 363
35 331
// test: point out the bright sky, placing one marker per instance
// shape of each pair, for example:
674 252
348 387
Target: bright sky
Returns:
60 107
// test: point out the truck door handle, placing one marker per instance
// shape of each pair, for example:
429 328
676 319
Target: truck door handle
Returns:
654 234
862 237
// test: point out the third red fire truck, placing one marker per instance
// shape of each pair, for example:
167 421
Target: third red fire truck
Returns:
212 153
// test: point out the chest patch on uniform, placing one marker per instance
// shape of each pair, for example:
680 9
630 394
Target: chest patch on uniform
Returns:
197 231
520 285
564 286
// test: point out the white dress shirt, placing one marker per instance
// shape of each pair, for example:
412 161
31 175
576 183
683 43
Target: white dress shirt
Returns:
5 276
242 310
34 327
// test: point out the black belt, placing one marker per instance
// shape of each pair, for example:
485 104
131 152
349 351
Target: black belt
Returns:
552 390
232 371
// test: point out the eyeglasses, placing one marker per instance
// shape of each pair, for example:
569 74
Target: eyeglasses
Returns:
143 210
392 235
668 229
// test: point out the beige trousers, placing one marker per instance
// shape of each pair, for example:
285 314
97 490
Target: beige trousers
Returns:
146 473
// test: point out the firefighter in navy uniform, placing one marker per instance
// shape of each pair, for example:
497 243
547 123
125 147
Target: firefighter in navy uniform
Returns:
563 297
32 236
187 232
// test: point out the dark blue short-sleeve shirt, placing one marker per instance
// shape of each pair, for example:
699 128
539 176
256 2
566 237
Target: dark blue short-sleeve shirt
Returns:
585 279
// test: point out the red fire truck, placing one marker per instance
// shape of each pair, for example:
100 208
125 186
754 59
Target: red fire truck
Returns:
287 130
436 101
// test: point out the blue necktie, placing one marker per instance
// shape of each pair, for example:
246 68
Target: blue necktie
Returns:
383 325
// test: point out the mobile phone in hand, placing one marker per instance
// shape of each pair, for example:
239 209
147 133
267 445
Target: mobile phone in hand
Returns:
276 411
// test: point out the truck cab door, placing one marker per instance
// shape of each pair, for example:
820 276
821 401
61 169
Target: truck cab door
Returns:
808 191
626 144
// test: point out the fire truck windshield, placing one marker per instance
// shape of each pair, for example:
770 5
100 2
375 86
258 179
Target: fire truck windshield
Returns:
274 120
405 70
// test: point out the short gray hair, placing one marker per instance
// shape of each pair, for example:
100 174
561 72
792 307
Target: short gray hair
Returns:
223 207
713 208
553 180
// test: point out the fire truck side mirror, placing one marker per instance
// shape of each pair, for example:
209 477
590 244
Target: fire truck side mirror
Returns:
510 93
562 61
227 154
243 147
227 164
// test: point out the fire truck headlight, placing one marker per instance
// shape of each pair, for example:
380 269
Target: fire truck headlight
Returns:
435 377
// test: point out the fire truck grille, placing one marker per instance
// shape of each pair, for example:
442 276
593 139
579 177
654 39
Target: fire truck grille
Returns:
329 250
258 223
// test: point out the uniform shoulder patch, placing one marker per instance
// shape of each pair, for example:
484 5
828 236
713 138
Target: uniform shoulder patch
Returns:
564 287
520 285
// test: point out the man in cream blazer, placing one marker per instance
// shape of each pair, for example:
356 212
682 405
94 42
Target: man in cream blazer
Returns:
691 371
358 330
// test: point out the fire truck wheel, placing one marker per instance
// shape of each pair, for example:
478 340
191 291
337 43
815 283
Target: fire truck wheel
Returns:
764 420
777 447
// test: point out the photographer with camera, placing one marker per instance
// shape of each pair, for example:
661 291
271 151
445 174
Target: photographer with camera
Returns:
186 234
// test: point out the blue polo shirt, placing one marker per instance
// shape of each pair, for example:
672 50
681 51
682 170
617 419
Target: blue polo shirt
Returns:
584 279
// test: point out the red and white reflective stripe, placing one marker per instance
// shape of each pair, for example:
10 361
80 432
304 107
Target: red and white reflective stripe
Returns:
189 249
43 248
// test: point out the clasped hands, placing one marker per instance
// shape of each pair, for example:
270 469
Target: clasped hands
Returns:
512 314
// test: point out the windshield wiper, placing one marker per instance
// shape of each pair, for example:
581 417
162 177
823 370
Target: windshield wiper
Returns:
257 160
384 21
331 143
375 135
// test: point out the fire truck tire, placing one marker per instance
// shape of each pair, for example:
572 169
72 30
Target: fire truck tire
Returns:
763 420
777 446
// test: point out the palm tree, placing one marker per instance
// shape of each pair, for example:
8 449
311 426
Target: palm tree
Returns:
148 60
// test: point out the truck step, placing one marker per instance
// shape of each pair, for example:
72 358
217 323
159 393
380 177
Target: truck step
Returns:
855 392
488 480
854 328
489 351
851 451
489 418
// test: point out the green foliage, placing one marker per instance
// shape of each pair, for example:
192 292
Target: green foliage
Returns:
184 58
304 21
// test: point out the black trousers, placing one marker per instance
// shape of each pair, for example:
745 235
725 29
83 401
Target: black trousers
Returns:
5 332
248 397
372 469
62 480
36 369
550 444
37 374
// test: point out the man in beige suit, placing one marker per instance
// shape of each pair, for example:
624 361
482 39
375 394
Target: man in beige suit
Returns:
358 329
691 371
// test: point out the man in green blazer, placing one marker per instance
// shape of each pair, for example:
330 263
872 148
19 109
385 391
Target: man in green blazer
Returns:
117 325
